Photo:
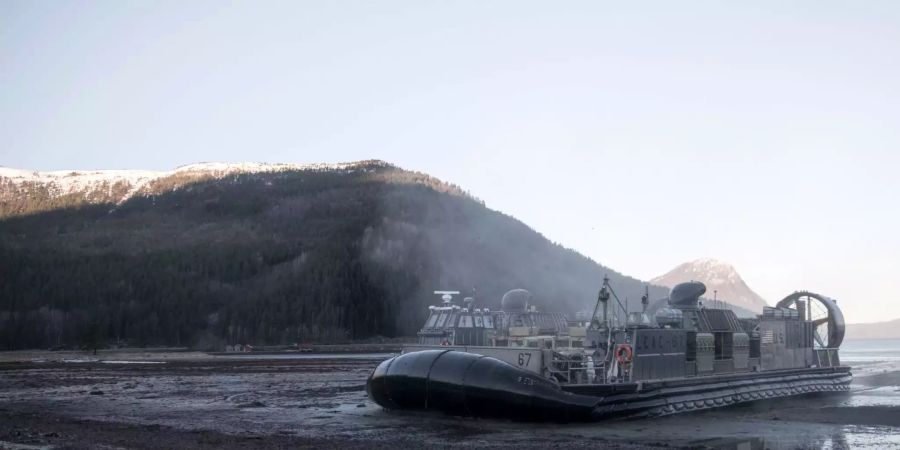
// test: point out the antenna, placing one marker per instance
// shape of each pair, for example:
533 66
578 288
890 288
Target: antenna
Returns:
606 281
645 299
602 297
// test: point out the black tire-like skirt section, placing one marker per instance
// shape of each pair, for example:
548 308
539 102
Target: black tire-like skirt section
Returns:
467 384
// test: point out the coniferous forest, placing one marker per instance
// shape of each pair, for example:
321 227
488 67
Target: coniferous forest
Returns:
269 258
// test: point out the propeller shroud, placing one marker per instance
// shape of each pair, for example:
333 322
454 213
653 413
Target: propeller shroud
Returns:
823 312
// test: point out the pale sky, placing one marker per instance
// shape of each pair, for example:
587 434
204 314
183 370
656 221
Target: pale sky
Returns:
642 134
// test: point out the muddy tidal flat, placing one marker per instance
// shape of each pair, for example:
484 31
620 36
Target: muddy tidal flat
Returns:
194 400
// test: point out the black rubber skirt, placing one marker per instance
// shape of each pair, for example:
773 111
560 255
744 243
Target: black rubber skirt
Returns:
468 384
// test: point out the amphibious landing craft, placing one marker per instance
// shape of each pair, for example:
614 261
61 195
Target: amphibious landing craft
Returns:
523 364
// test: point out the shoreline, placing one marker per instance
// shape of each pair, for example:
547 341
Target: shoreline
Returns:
184 354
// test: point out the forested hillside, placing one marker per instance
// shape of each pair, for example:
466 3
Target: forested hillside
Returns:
267 258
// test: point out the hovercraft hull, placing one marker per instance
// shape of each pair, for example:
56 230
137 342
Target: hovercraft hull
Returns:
468 384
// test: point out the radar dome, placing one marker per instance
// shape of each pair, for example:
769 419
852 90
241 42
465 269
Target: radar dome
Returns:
516 300
686 295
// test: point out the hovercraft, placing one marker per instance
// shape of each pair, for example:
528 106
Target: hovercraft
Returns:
521 364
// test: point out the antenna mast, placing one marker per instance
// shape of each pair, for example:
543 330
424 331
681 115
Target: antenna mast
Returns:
645 299
603 297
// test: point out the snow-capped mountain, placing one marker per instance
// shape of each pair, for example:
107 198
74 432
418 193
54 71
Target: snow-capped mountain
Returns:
719 277
24 192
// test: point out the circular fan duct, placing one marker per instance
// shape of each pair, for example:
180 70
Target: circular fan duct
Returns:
823 312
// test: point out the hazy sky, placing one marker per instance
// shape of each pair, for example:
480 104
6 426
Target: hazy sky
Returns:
642 134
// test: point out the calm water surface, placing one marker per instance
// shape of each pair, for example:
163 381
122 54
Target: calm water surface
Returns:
870 350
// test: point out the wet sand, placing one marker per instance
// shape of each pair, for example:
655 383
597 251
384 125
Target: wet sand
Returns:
202 401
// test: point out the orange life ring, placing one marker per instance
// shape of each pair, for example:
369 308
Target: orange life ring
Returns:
624 353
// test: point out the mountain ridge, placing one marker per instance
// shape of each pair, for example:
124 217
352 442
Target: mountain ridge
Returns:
118 185
270 257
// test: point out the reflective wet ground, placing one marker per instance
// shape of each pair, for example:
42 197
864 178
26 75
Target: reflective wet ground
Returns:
316 400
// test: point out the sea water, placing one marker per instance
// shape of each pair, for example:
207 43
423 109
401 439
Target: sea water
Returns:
870 350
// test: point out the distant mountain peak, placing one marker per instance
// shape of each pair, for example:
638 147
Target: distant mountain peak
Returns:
712 262
722 281
711 271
